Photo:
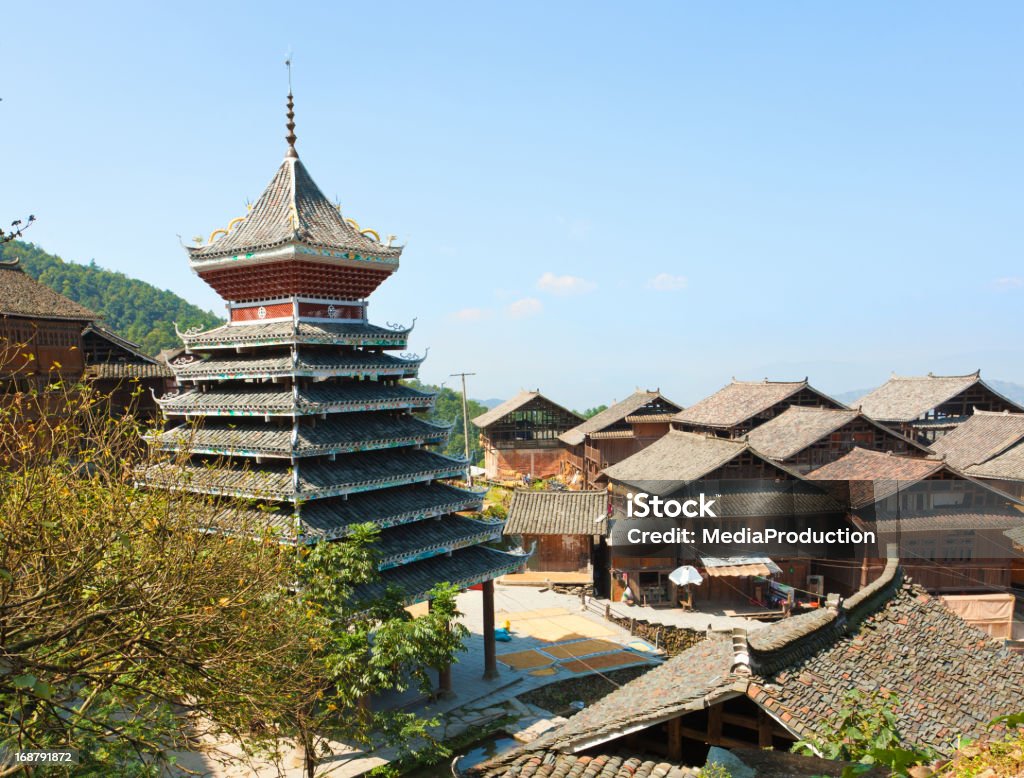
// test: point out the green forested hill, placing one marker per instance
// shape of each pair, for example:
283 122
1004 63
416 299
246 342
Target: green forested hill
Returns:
133 309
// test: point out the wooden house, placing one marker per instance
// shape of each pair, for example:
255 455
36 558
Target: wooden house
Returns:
614 434
739 407
949 527
129 379
784 682
750 491
988 446
927 407
520 437
806 438
567 528
40 332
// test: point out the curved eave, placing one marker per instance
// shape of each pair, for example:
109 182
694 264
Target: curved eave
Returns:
304 409
409 370
289 248
469 501
197 343
487 531
287 452
463 569
303 493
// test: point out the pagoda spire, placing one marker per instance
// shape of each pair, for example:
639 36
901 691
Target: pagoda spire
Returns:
290 137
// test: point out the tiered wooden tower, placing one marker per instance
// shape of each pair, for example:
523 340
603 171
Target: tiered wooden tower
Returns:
299 402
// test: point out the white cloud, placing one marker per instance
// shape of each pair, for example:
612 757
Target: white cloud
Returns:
564 285
528 306
471 314
666 282
1010 282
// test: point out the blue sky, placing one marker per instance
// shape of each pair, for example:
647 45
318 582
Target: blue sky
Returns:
594 196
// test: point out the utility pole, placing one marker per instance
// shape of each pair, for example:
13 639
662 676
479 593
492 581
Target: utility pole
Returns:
465 425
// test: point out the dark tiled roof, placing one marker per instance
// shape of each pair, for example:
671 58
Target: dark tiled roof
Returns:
617 413
317 479
678 457
557 513
765 498
192 367
423 539
292 209
980 437
464 568
320 398
386 508
1007 466
336 434
287 333
743 400
650 418
128 370
333 518
523 398
636 764
22 295
798 427
944 520
949 677
905 398
864 465
1016 535
552 764
669 690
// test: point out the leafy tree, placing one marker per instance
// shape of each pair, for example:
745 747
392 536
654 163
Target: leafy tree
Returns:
865 730
448 408
134 309
127 629
591 412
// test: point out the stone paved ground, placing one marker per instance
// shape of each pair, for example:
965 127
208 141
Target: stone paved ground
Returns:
475 701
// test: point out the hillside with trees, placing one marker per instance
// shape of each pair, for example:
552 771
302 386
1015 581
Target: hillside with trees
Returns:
133 309
448 408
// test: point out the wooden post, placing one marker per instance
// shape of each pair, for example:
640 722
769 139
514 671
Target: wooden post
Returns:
675 739
490 654
764 729
715 725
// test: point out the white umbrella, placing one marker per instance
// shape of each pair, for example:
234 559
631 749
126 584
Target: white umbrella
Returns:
685 575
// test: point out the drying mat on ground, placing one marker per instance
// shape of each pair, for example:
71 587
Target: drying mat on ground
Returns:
540 613
581 648
524 660
556 628
603 662
544 671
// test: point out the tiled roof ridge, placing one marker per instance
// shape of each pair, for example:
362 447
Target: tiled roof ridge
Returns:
515 403
804 382
932 376
291 210
612 414
778 646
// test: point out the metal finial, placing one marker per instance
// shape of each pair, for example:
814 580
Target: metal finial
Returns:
290 137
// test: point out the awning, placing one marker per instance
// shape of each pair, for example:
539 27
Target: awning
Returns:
720 567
